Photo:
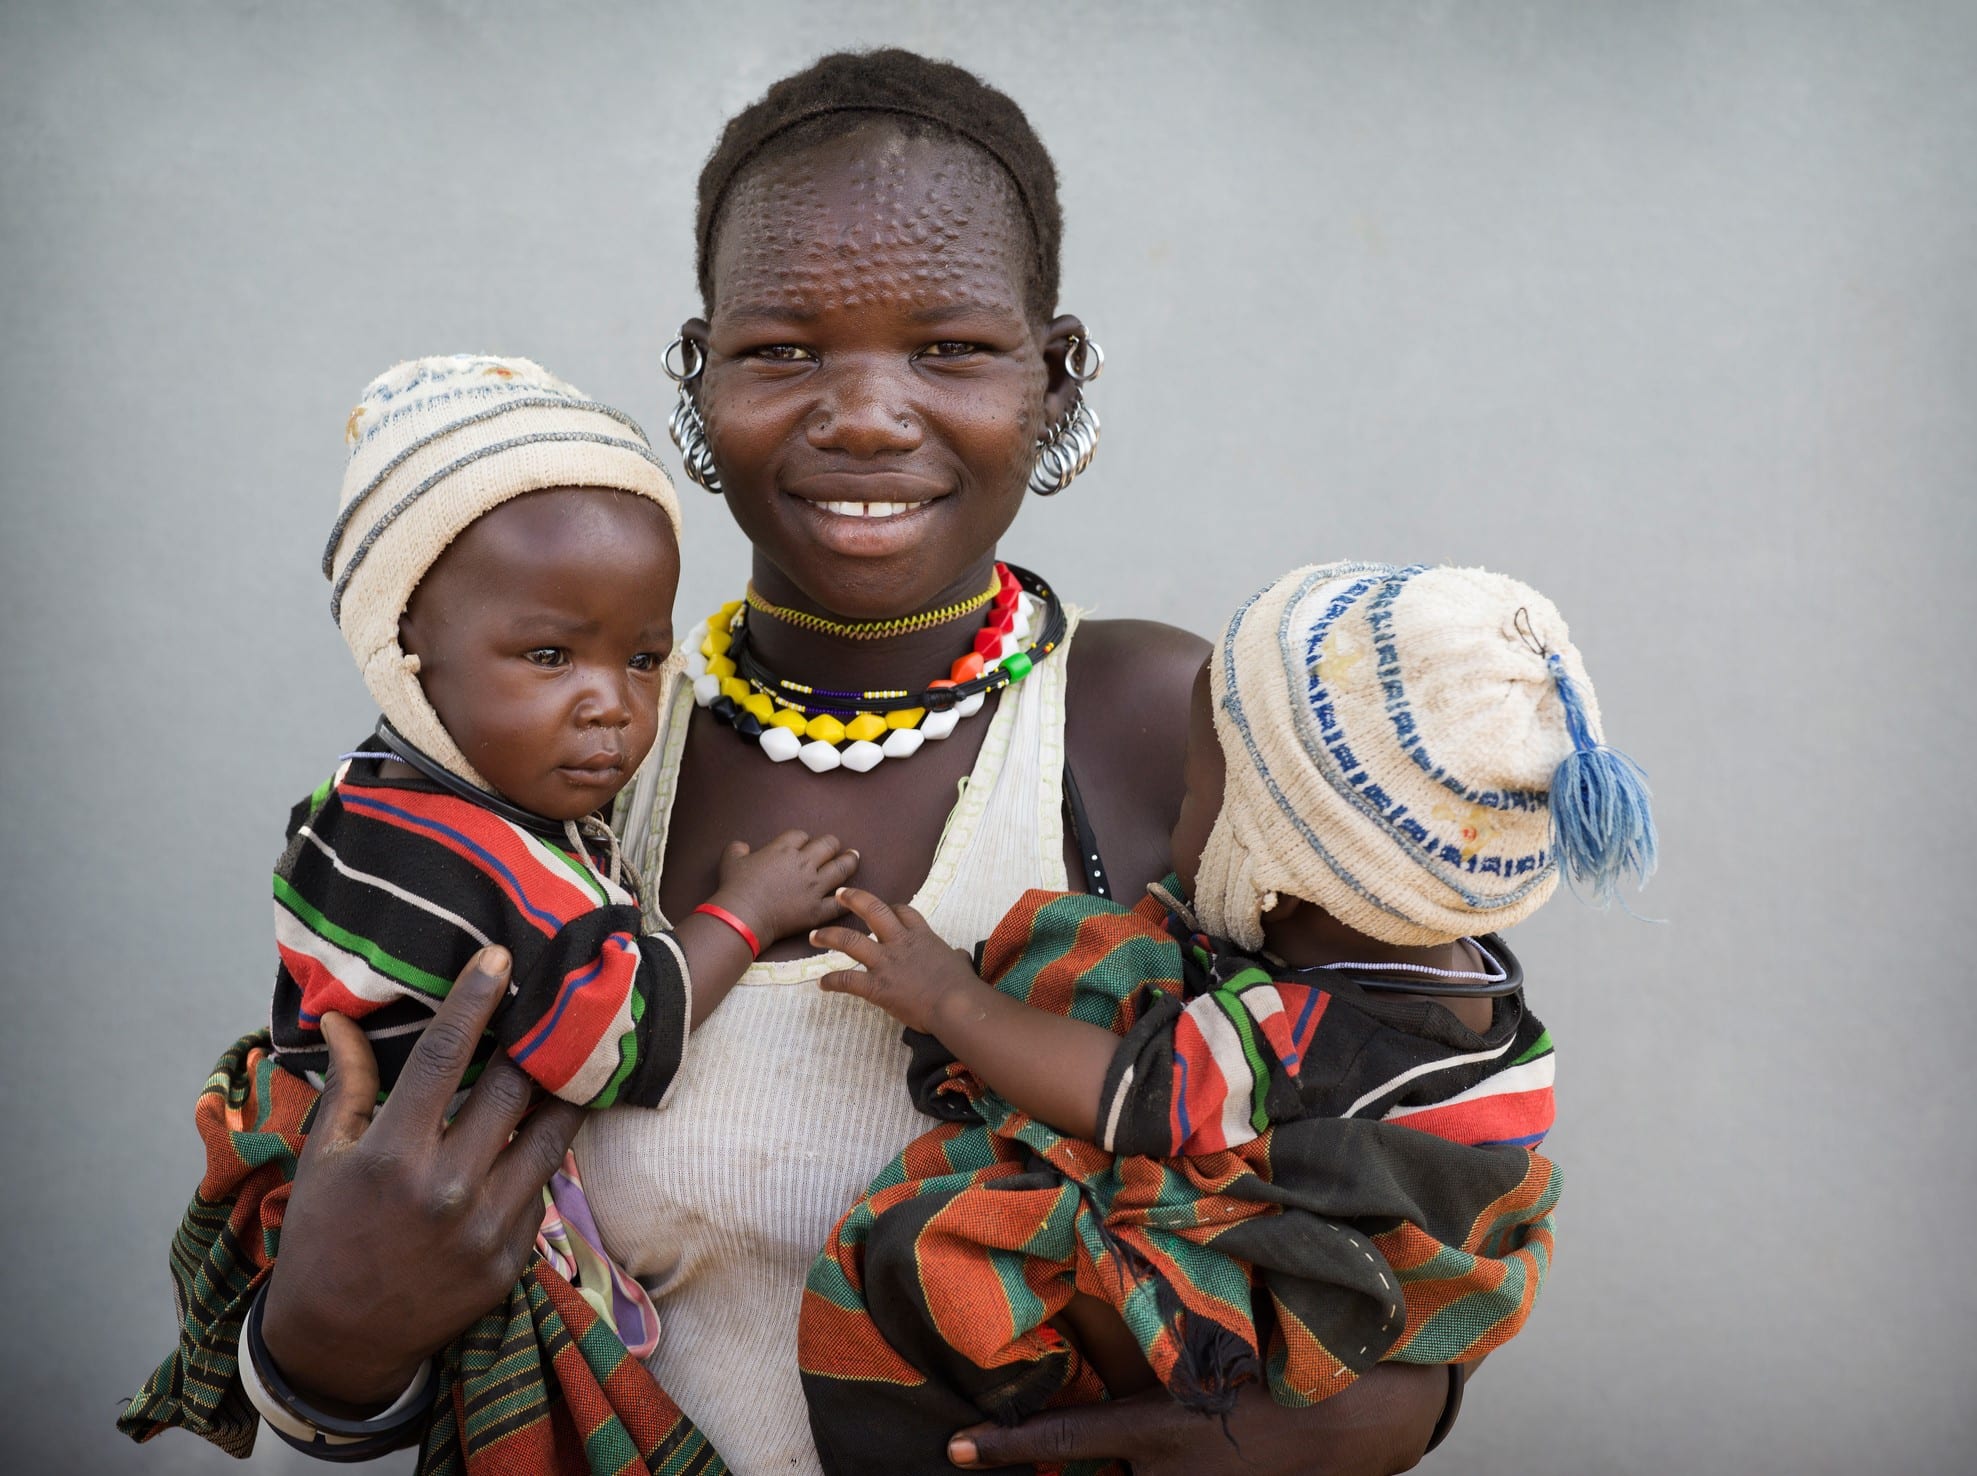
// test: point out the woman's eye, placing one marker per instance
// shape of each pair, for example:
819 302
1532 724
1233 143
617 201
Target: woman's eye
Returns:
547 656
950 348
783 353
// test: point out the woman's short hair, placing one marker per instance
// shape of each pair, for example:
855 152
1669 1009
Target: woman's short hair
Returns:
921 97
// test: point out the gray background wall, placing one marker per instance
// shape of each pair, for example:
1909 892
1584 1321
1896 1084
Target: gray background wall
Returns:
1667 308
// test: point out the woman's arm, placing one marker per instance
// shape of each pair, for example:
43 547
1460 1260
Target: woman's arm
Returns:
1126 732
400 1230
1382 1423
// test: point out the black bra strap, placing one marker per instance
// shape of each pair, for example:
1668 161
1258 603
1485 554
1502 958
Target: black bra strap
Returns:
1087 839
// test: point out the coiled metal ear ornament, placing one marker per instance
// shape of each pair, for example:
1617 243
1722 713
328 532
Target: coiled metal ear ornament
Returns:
1070 444
688 430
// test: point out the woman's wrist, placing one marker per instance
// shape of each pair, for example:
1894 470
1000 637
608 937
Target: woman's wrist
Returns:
348 1385
342 1436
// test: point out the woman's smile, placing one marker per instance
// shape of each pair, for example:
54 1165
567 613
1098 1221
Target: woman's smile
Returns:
868 529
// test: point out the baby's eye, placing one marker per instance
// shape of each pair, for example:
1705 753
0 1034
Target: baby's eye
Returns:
648 661
547 656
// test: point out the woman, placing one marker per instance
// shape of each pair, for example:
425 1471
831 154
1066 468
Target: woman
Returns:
875 383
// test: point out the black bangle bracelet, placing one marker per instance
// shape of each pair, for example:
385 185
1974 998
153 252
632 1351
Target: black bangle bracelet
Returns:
359 1440
1458 1377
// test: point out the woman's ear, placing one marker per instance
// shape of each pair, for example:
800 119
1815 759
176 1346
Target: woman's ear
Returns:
1059 386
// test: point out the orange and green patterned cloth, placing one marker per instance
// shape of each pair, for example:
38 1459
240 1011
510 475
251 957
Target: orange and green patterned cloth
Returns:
1370 1194
541 1383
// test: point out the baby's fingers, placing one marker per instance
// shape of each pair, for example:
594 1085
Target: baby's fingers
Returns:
834 872
875 912
818 849
847 981
847 941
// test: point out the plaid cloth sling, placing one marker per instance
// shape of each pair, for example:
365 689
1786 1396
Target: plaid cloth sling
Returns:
539 1384
1303 1256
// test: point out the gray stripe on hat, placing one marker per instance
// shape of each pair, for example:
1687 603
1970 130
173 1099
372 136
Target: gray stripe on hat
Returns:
637 448
520 402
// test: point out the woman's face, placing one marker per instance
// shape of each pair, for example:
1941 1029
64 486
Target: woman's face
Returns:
875 383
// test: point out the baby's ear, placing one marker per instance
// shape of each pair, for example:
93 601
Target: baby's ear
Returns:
1284 907
408 638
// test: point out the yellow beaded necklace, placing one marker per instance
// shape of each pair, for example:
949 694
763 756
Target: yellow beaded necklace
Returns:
857 730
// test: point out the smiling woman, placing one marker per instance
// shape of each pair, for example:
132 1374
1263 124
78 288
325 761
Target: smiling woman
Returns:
876 380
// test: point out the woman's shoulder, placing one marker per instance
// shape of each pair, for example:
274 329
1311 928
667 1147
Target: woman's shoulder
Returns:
1134 668
1126 731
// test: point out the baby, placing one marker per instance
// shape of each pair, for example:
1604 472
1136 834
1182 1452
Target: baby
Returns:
1311 1150
503 569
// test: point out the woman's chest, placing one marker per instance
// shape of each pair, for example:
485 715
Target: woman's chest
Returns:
789 1101
728 790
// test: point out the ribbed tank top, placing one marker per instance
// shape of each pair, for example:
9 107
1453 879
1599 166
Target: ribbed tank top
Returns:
791 1099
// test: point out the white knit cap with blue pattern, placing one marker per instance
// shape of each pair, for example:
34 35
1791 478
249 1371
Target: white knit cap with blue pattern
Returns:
1391 736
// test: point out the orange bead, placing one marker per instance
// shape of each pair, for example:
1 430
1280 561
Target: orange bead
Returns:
967 668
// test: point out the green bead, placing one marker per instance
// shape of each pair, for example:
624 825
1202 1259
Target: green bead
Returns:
1016 665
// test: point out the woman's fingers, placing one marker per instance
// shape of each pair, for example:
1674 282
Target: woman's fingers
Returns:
525 1165
1118 1430
350 1093
417 1107
498 1101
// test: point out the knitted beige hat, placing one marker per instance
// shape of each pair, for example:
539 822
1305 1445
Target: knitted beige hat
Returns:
1395 741
434 444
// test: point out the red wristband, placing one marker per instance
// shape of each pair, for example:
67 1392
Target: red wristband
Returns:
721 914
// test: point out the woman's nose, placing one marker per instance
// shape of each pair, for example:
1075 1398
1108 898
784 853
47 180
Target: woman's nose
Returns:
864 411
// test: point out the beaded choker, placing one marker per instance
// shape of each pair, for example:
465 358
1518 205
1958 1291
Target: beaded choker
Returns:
826 729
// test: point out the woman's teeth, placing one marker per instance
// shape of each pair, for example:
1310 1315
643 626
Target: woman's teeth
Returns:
868 509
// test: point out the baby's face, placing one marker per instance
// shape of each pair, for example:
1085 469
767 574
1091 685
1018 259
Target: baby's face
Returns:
540 634
1204 774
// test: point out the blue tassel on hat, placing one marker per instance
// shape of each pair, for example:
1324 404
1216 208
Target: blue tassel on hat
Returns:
1602 825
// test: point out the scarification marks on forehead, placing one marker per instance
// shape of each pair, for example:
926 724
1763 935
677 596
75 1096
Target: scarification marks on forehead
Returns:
873 216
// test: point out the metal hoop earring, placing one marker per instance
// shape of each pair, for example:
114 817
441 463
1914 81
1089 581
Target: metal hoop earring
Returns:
1070 444
688 430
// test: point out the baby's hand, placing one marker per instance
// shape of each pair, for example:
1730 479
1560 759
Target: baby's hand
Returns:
786 888
908 971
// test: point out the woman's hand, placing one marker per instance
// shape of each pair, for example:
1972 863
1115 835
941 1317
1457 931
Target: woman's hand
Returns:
402 1229
907 970
1380 1424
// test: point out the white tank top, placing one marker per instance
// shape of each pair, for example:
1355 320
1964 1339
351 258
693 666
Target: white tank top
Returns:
790 1099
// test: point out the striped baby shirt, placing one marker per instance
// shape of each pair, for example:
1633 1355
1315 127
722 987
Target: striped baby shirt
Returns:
1300 1178
1222 1045
389 885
